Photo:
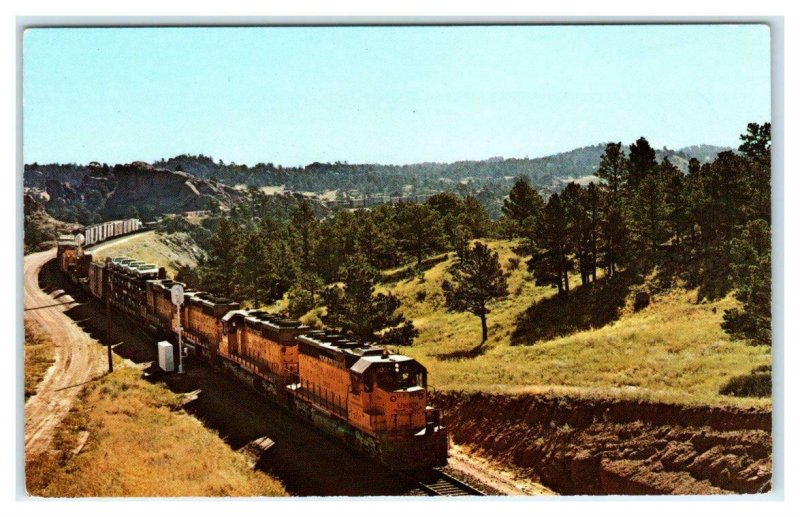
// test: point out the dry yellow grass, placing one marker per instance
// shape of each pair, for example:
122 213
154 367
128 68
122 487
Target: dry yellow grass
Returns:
39 356
672 351
127 437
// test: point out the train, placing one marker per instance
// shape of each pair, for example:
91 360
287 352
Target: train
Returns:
373 400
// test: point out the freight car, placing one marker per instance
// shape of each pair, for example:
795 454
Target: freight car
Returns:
96 233
371 399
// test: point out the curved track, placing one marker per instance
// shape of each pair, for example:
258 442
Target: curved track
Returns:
78 359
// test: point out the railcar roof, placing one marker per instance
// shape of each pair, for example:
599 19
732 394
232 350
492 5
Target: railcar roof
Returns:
336 342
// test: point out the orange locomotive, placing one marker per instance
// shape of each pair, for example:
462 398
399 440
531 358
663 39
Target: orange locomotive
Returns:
382 395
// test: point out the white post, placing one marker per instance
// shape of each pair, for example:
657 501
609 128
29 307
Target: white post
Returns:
180 342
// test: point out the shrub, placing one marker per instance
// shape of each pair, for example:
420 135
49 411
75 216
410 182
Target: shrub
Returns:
757 383
403 335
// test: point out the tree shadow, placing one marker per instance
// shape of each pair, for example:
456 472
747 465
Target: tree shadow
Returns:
586 307
459 355
411 270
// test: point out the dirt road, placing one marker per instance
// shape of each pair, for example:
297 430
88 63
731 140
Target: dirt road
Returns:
78 358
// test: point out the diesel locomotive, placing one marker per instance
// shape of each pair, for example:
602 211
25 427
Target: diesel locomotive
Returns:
373 400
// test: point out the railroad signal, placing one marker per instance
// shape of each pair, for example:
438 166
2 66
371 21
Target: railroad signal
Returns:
177 298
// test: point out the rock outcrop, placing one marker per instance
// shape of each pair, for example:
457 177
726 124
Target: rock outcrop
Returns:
588 446
92 193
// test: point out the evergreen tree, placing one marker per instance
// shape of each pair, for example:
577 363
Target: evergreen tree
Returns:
578 227
751 269
252 269
218 271
523 203
641 162
304 223
613 229
355 309
552 265
474 217
757 146
418 230
477 280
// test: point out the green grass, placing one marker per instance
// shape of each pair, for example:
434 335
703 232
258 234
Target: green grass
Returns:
127 437
674 350
39 356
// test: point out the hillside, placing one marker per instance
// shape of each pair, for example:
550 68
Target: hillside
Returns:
674 350
169 250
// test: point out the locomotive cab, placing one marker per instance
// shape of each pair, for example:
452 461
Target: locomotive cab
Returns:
392 392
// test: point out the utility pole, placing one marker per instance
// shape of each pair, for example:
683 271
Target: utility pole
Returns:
107 293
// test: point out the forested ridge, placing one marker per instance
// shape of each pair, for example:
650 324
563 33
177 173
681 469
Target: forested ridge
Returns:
707 228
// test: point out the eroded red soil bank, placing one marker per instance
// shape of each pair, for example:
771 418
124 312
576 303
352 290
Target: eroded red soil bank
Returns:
588 446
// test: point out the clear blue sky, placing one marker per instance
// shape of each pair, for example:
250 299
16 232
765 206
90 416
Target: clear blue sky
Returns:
385 94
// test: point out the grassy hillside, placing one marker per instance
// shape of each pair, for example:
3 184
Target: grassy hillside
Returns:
128 437
673 350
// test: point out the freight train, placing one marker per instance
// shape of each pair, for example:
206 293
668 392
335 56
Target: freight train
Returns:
373 400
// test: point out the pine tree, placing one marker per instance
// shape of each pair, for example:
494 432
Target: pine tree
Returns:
218 271
578 227
304 223
641 162
477 280
418 230
613 229
355 309
552 265
523 203
751 269
252 269
474 217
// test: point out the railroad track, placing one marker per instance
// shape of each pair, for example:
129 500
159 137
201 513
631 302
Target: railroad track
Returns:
436 483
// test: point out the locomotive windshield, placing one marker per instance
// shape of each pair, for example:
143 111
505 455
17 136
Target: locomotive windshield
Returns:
398 376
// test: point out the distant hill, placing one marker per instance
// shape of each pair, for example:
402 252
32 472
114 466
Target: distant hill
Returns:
545 172
94 192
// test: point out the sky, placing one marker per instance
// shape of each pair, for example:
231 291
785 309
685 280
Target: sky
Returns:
295 95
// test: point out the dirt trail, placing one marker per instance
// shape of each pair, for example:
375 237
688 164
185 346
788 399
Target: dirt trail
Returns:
78 359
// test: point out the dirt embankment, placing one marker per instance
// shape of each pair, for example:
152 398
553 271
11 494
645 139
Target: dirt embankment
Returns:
587 446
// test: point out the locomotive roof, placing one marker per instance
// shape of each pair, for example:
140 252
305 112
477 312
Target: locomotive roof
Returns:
274 321
366 362
67 240
371 354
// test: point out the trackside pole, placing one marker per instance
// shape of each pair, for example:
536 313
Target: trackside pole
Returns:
177 299
180 342
107 293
